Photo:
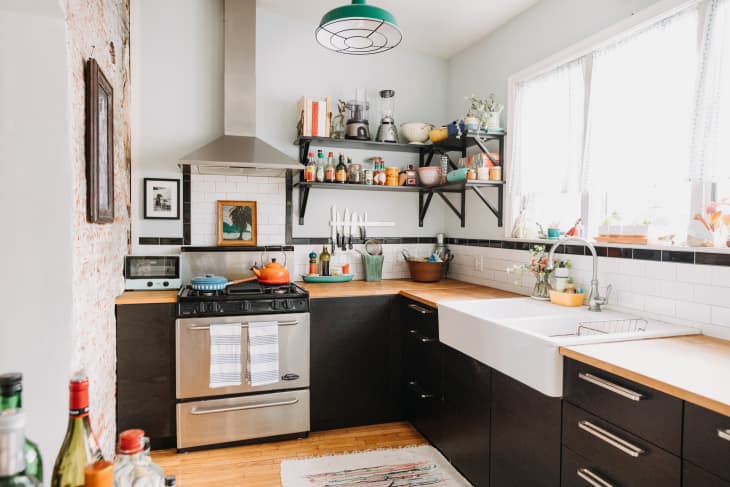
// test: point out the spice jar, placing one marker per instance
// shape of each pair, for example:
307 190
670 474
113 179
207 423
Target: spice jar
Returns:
391 176
368 177
495 173
471 174
355 176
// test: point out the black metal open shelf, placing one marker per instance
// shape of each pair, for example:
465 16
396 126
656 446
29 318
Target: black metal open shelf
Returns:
426 154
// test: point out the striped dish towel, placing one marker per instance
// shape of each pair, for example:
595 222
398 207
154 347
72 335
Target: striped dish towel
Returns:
263 353
225 355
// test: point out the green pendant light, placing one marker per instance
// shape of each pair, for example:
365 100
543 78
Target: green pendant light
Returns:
358 29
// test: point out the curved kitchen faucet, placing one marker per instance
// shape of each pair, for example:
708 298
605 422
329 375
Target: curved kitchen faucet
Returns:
595 301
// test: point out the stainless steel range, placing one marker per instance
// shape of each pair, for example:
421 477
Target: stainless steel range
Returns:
213 416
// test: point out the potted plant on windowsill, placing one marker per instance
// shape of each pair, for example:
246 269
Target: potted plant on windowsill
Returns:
538 267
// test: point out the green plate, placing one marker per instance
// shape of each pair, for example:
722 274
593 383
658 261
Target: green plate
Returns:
341 278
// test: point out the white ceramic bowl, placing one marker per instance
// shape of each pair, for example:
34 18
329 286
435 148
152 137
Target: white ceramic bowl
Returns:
429 175
415 132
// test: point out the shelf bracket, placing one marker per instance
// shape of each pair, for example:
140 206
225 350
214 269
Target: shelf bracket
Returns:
461 214
423 205
304 151
497 211
303 199
483 147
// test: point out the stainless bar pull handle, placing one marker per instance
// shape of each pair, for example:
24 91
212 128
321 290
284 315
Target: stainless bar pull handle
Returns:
610 386
611 439
420 392
421 338
724 434
420 309
243 325
198 411
592 479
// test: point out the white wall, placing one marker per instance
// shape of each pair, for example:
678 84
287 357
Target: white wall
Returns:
36 208
542 30
290 63
177 94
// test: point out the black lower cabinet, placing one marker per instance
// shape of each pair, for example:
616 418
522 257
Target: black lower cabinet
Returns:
465 420
694 476
146 371
525 431
355 362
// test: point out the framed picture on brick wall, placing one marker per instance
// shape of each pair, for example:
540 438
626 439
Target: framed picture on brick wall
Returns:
99 145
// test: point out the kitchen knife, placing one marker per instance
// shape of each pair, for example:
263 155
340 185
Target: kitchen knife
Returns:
333 228
365 227
346 229
360 223
353 228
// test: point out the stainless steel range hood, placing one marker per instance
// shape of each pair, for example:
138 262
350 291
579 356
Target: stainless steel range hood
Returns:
239 151
236 154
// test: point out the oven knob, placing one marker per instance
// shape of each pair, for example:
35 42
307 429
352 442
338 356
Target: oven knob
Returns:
246 306
165 283
286 304
149 283
201 307
274 305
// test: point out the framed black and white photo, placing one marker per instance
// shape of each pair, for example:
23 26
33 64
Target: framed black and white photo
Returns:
162 199
99 145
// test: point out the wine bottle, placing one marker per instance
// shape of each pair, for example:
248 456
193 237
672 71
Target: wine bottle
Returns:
79 447
11 397
12 458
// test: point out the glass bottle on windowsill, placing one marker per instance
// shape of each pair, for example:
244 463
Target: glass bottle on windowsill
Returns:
11 397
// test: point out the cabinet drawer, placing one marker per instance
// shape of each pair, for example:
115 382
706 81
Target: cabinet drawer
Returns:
578 471
419 319
694 476
423 410
707 440
624 457
649 414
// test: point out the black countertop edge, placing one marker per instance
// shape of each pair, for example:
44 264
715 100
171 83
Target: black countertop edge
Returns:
357 241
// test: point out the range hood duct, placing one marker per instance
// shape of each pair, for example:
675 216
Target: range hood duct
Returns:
239 151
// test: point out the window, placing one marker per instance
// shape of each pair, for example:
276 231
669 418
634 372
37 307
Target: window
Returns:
628 128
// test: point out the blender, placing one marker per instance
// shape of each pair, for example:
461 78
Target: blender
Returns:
387 132
357 126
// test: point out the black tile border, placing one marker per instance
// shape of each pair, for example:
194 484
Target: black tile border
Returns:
269 248
160 241
186 199
682 256
358 241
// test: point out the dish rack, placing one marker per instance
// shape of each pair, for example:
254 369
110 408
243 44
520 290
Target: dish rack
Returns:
611 326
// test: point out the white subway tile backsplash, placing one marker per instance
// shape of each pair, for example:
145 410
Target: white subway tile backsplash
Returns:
660 270
660 306
720 316
697 295
696 274
694 311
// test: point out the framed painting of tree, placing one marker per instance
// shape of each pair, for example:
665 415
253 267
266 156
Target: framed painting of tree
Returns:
236 223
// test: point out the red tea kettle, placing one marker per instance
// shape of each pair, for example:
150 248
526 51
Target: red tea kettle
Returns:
272 273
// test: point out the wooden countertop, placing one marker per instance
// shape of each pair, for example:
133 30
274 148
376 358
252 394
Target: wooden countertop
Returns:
147 297
428 293
693 368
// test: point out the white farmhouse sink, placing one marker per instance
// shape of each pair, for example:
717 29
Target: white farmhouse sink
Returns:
520 337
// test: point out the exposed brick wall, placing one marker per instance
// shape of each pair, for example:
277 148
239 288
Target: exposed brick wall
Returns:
98 250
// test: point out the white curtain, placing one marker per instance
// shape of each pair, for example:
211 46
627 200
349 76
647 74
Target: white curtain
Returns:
640 124
548 132
711 136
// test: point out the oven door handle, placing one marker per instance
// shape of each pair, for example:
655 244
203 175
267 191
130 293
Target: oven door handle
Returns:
243 325
198 411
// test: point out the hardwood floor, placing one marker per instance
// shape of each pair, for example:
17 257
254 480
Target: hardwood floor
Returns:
258 465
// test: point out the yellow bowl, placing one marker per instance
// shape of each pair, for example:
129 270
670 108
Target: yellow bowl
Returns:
567 299
439 134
